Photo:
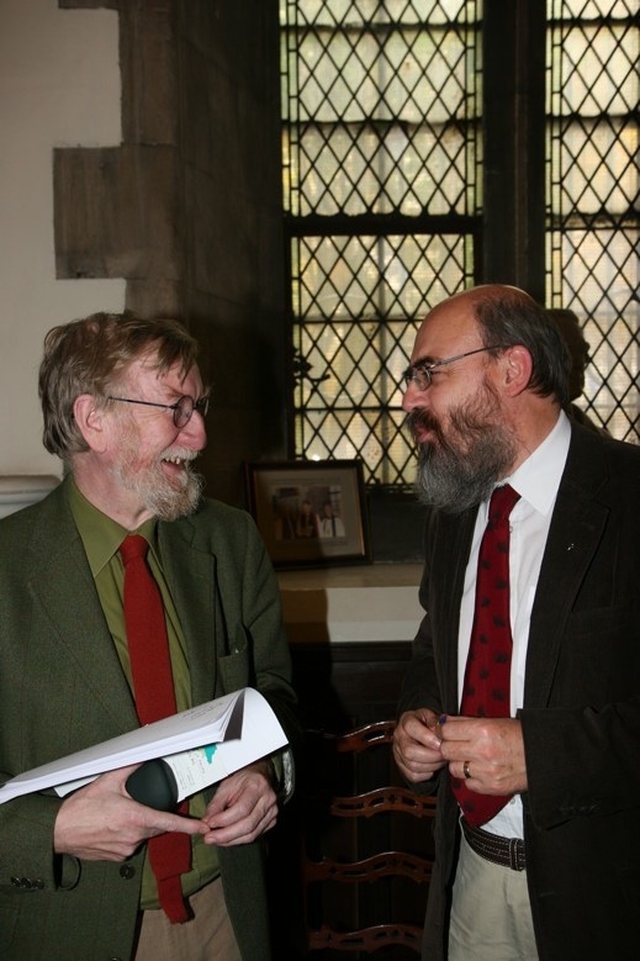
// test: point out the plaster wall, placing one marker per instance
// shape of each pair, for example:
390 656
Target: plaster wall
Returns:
59 86
140 165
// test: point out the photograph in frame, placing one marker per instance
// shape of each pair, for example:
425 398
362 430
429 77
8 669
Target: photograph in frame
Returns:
310 513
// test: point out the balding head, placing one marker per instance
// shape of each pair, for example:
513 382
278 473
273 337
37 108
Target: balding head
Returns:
488 376
506 316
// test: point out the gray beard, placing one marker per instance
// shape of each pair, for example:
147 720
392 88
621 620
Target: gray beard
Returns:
168 504
454 476
160 497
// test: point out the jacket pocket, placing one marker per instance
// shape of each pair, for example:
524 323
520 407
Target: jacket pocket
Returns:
235 667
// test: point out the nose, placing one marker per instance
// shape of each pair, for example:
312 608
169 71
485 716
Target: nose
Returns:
413 397
195 432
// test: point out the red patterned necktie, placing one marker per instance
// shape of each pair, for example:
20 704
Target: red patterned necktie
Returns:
487 680
169 854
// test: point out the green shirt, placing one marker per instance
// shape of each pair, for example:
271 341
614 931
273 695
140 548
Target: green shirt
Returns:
101 537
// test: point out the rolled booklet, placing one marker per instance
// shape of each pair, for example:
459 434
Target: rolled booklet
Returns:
210 741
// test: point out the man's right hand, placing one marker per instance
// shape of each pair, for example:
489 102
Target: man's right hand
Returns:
416 745
101 822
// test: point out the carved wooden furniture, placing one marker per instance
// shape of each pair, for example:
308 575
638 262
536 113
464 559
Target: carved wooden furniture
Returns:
368 849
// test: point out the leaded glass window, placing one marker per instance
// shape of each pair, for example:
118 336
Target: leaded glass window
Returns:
382 163
382 146
593 194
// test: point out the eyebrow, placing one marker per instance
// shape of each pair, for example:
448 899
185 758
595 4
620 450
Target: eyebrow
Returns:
424 361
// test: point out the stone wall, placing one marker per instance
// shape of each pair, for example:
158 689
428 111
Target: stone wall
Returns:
188 208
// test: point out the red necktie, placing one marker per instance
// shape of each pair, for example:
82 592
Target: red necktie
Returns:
169 854
487 681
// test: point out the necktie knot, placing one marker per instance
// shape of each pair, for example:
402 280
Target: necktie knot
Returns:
133 547
503 500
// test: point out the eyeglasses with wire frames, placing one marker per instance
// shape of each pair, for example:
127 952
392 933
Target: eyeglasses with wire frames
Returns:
420 372
182 409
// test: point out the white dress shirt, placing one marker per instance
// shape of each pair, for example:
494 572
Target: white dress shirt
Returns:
537 481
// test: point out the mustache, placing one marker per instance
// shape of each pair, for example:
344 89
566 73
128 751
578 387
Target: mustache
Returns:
419 417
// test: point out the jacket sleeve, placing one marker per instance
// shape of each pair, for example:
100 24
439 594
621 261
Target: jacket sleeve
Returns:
420 687
426 682
42 706
581 714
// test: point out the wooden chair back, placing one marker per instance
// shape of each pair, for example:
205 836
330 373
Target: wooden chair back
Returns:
368 849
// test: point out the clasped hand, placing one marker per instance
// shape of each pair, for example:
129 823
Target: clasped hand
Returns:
101 822
492 748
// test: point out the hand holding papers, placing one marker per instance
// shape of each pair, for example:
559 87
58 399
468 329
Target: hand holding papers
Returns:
241 726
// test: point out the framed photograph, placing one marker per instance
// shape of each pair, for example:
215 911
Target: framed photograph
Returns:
310 513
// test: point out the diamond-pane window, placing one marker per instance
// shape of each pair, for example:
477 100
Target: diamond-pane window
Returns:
593 193
382 169
381 149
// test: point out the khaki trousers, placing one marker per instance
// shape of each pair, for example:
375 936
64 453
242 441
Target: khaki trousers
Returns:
207 936
490 912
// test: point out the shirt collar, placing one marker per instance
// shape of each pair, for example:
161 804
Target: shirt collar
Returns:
537 479
100 534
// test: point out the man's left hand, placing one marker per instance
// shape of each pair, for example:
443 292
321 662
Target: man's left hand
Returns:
491 750
244 807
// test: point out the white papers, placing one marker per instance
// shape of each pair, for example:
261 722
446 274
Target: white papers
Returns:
196 769
242 725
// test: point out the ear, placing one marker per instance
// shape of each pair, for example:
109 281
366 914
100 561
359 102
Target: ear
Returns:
517 370
90 421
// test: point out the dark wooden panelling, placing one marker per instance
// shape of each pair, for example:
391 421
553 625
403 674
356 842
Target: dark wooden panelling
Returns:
344 685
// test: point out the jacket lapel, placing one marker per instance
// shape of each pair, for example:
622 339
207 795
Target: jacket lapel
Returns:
191 577
575 532
61 583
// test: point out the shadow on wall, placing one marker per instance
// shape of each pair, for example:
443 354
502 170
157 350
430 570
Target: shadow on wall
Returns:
396 520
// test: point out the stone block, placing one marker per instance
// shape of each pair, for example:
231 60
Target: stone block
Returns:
116 212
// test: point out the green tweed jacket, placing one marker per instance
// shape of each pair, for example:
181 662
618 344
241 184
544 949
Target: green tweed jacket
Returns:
62 689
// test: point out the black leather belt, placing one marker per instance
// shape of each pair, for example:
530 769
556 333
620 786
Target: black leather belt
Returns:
509 852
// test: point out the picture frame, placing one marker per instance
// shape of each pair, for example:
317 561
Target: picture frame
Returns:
310 513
